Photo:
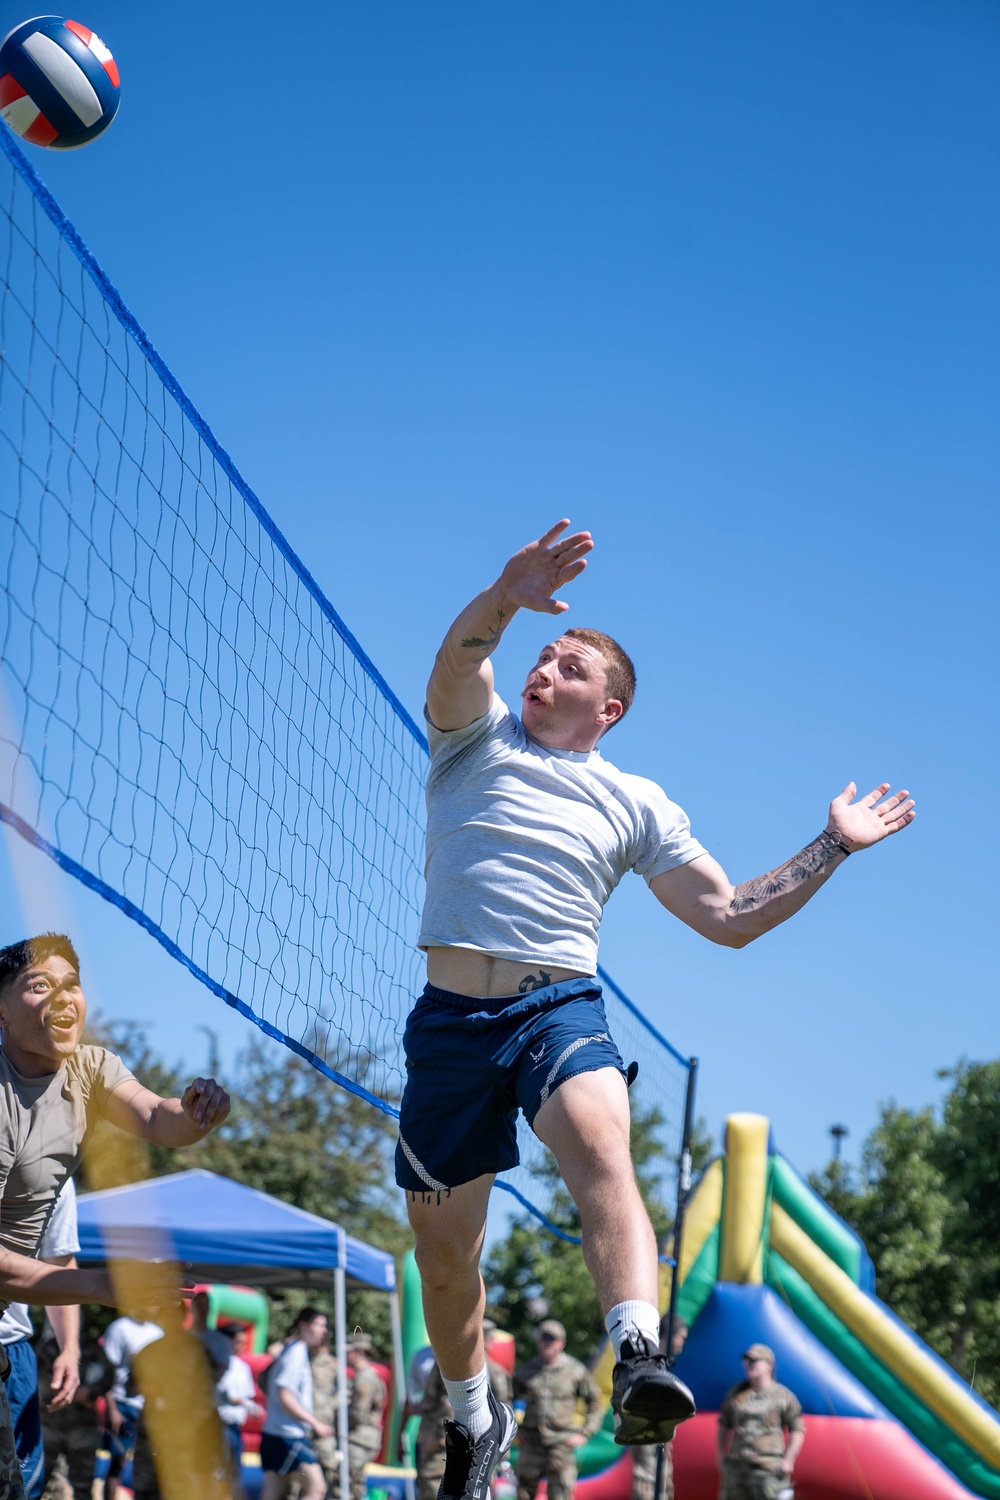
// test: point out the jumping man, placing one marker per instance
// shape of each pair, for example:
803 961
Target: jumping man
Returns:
529 830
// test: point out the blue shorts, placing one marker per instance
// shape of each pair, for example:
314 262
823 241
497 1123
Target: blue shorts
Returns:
472 1063
280 1455
26 1415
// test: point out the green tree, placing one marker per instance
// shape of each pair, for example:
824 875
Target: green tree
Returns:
925 1201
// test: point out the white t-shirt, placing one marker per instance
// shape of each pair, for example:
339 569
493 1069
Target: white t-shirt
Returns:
59 1239
122 1341
233 1390
526 844
292 1370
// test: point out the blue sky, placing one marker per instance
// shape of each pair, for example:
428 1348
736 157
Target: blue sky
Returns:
719 282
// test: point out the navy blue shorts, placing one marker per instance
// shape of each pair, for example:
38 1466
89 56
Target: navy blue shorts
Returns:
280 1455
472 1063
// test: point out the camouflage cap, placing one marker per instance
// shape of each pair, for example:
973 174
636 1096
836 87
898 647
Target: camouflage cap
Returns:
361 1341
552 1327
759 1351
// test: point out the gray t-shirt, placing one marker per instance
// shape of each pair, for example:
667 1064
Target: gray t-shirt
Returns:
45 1124
525 844
293 1371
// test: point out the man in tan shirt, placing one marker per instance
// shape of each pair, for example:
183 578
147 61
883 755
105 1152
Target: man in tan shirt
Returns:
53 1091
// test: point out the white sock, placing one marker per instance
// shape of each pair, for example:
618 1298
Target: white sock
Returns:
632 1321
469 1402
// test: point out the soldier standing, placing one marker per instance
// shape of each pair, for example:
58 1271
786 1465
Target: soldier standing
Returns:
364 1412
325 1388
435 1409
552 1387
755 1459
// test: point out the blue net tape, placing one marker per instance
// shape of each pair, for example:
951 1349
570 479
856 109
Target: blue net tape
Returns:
186 724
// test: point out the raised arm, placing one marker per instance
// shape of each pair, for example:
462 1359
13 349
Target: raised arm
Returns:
460 689
168 1122
701 894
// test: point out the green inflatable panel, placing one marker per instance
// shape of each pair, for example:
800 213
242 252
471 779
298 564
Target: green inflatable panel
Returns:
885 1386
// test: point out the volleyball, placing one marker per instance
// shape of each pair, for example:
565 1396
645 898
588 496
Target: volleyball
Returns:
59 85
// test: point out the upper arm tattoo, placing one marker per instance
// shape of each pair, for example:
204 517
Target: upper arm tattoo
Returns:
806 865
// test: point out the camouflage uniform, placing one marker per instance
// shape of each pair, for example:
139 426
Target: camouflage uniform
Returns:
364 1427
756 1419
552 1395
644 1472
324 1373
70 1433
435 1410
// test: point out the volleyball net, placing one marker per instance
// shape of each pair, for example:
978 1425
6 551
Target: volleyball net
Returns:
187 726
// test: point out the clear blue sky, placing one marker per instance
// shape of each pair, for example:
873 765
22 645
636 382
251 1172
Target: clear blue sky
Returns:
718 281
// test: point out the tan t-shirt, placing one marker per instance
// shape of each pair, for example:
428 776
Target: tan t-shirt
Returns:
45 1124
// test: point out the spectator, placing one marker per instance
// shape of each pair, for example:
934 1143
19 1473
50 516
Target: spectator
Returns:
756 1460
123 1340
325 1391
552 1386
435 1409
69 1433
235 1393
58 1247
217 1347
290 1424
364 1411
644 1456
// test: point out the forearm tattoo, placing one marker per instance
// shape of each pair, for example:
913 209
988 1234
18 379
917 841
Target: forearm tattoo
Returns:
487 643
539 981
806 865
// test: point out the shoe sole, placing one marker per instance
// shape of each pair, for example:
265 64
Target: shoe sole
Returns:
645 1421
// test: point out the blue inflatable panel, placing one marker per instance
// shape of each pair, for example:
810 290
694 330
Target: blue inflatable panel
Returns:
733 1318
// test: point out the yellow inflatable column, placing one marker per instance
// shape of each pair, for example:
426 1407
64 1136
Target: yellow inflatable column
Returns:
741 1253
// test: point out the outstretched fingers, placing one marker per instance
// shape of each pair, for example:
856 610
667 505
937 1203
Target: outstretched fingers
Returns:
553 532
875 795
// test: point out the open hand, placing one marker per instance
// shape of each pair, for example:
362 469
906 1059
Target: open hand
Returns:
871 819
532 576
206 1103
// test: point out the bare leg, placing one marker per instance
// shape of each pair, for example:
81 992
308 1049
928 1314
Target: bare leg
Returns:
274 1486
449 1237
585 1124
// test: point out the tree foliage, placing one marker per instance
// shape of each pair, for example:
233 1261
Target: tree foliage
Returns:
925 1200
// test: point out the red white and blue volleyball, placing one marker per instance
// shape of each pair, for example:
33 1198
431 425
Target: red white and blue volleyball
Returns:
59 84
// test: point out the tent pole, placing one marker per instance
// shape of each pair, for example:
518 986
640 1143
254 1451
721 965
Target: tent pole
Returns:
340 1305
399 1383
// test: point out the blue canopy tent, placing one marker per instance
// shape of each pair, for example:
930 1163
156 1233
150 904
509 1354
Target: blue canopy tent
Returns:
219 1230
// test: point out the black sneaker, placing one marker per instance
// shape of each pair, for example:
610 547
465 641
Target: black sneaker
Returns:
470 1464
647 1399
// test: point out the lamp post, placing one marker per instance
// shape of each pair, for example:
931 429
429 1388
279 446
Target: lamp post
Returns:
838 1132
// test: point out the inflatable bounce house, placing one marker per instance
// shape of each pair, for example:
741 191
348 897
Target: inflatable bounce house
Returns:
763 1259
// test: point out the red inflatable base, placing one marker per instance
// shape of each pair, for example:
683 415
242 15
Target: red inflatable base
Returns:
843 1458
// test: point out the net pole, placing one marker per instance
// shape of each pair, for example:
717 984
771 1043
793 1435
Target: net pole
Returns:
683 1193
